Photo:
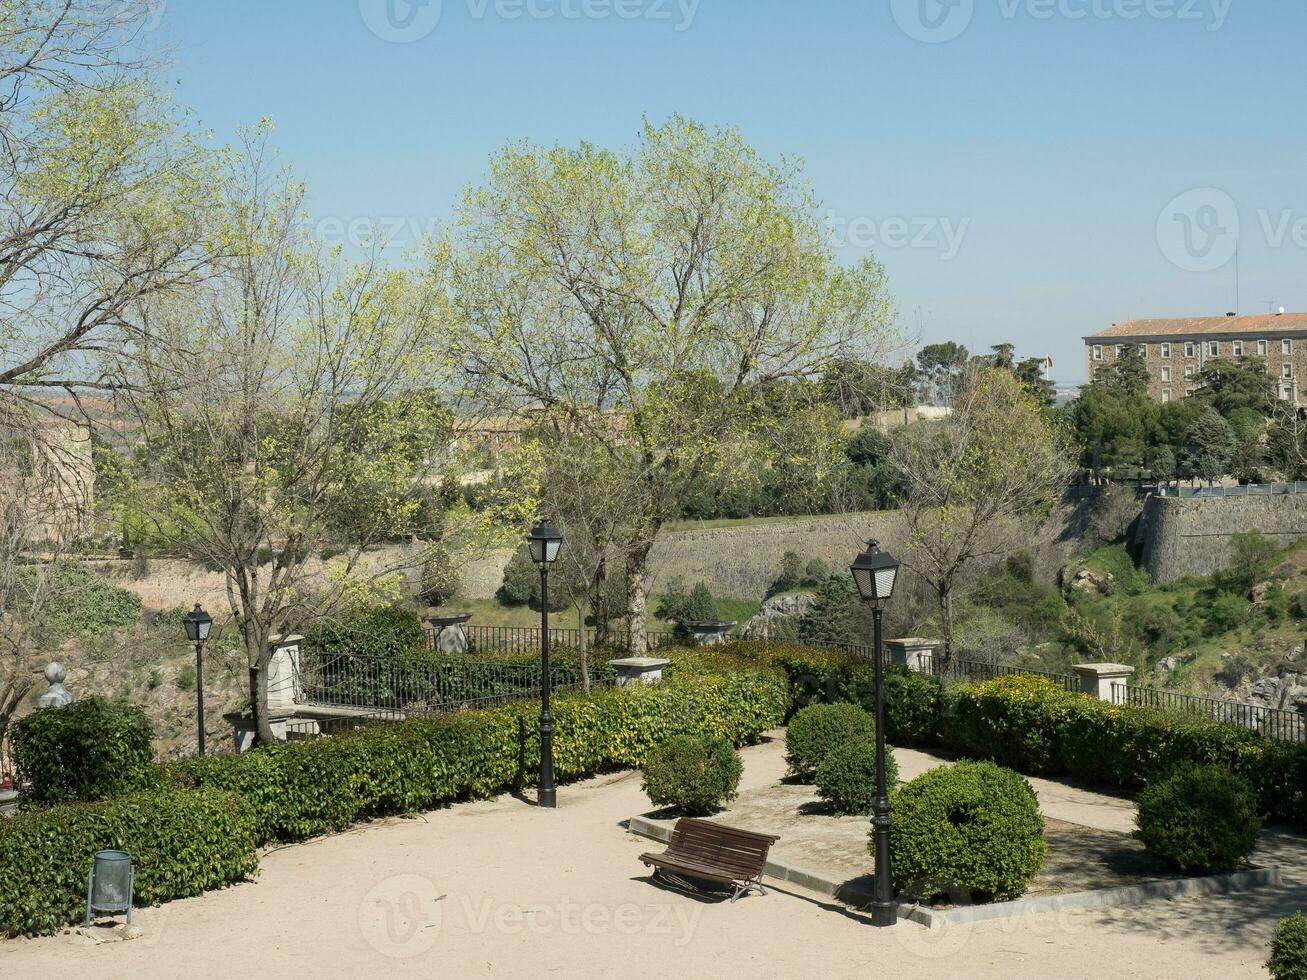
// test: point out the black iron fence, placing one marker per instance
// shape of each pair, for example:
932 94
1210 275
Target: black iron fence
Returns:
1274 723
971 671
416 686
526 639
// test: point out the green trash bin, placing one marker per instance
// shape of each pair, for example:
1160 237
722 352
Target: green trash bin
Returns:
109 885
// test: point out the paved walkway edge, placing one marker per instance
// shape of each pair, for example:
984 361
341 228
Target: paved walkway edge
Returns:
858 891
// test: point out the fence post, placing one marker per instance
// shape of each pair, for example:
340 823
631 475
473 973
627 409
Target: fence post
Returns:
1096 680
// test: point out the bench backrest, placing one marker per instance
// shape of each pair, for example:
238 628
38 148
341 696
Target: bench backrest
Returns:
742 853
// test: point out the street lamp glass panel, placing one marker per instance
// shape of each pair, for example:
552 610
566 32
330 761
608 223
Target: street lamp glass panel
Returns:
198 623
546 542
874 572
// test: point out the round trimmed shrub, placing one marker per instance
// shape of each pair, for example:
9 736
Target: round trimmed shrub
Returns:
972 829
1199 819
694 774
846 778
89 750
817 729
1289 950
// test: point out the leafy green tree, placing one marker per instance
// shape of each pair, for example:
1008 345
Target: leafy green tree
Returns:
1128 374
872 482
1030 372
1229 384
1209 443
836 615
1248 462
978 484
941 369
1163 464
1113 425
646 299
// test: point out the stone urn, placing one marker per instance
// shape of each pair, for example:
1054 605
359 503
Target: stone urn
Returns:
710 633
447 633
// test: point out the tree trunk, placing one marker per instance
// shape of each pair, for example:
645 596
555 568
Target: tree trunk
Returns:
637 615
601 602
946 622
583 647
259 656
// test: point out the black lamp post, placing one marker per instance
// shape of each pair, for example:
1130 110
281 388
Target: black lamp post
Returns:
874 572
198 624
545 544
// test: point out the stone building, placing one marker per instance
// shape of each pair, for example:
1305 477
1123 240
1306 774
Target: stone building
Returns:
1176 350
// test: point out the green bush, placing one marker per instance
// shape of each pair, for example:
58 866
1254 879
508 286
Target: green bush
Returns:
82 604
1199 819
817 729
846 778
372 631
816 572
1289 950
89 750
791 575
305 788
972 829
694 774
441 580
182 843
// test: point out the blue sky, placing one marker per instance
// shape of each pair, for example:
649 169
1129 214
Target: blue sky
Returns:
1027 170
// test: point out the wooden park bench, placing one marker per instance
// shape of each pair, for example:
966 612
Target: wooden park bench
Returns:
713 852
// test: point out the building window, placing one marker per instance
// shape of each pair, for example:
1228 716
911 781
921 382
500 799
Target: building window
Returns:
1188 392
1166 374
1166 350
1189 350
1261 348
1118 349
1143 351
1098 352
1188 370
1286 370
1237 348
1286 346
1166 394
1213 348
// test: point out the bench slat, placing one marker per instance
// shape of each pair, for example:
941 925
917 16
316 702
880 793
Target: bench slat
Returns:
714 851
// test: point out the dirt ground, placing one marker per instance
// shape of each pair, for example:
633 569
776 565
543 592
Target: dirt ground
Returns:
505 889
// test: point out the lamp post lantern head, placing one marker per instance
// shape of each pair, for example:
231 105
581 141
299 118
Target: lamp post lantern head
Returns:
545 543
198 623
874 572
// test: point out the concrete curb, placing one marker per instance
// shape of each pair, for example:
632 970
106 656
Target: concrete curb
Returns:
858 890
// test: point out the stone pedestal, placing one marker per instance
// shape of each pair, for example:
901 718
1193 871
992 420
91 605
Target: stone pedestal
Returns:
708 634
639 670
284 685
913 652
58 696
447 633
1096 680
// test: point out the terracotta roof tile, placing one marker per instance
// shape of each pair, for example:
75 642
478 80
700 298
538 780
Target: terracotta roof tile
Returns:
1286 323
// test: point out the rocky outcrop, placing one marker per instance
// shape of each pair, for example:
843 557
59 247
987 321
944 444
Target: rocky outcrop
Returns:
778 617
1077 578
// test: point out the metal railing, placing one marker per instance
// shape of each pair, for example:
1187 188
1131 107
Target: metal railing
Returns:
526 639
1274 723
1248 490
972 671
405 687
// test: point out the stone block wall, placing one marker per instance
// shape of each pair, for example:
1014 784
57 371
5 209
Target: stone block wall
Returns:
1178 537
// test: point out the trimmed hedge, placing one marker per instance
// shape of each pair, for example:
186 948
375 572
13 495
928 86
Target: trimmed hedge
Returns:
182 844
89 750
1033 725
815 731
972 831
1199 820
306 788
696 775
846 778
1288 959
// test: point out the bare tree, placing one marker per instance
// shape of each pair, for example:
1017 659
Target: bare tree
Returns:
282 407
979 483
